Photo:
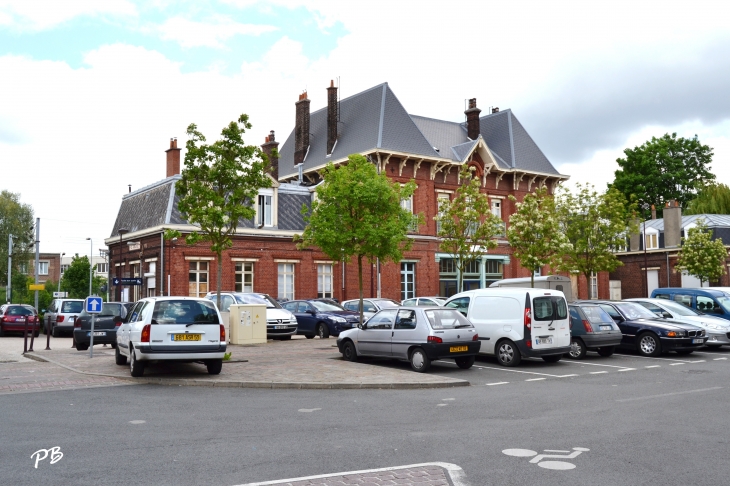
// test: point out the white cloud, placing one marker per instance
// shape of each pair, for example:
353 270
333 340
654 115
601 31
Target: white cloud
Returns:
189 33
44 14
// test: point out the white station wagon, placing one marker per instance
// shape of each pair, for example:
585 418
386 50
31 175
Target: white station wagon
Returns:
183 329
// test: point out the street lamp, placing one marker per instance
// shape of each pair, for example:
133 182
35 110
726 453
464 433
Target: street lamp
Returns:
60 274
91 265
121 232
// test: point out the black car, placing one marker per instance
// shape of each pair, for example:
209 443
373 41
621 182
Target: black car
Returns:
649 335
105 325
321 317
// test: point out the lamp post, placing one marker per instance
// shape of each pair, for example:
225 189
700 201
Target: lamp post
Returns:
645 207
91 265
121 233
60 274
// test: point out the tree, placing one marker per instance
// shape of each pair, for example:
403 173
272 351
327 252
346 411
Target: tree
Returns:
712 199
664 169
466 224
702 256
595 225
535 234
358 214
219 186
75 279
16 219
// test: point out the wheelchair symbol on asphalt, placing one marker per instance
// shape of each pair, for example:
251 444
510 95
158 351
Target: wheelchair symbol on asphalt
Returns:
555 465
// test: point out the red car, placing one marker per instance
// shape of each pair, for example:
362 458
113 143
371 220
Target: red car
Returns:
12 319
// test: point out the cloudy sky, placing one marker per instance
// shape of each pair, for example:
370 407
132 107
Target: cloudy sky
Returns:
92 91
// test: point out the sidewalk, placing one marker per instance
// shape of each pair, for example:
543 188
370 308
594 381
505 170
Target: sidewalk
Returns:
298 363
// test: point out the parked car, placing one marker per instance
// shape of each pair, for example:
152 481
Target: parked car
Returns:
280 323
707 301
182 329
320 317
62 313
13 316
415 334
369 306
426 301
648 334
517 322
105 325
716 329
592 329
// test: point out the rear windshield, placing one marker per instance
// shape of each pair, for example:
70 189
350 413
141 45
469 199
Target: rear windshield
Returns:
549 308
446 319
185 312
18 310
71 307
596 315
257 299
108 310
387 304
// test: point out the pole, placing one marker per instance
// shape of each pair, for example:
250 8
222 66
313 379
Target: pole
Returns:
646 265
37 256
60 264
91 337
10 268
91 259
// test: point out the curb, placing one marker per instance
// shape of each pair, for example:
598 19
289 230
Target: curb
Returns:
261 384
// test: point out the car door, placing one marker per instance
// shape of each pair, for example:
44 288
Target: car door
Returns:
628 328
495 317
306 319
124 330
404 333
376 336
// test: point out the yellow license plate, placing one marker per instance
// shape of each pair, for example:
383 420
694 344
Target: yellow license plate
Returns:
186 337
458 349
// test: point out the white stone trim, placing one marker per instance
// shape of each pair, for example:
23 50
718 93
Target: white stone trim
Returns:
244 259
197 258
277 260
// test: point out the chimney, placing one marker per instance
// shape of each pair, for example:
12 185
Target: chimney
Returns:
472 119
495 109
173 158
270 148
653 212
301 129
331 117
672 225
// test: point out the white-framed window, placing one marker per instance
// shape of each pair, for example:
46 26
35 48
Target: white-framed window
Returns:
63 268
407 280
324 280
135 271
264 210
244 276
23 268
43 268
101 267
496 207
593 286
198 278
441 199
538 272
652 239
286 281
407 204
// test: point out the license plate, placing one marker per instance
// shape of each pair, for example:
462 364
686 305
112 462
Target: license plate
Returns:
547 340
96 334
280 327
605 328
458 349
698 341
186 337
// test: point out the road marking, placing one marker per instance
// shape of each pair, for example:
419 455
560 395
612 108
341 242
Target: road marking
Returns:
448 399
648 357
137 422
675 364
653 366
519 371
700 361
498 383
565 376
634 369
553 450
441 404
592 364
718 359
536 379
308 410
669 394
597 372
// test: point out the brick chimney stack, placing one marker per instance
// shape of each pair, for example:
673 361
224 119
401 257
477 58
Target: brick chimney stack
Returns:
672 225
472 119
270 148
173 158
331 117
301 129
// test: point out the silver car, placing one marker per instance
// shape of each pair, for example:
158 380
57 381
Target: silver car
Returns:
717 329
416 334
369 306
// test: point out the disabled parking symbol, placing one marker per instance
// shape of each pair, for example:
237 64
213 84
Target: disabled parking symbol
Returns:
554 454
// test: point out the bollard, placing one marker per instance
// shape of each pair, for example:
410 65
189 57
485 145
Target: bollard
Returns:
25 336
48 333
73 338
32 335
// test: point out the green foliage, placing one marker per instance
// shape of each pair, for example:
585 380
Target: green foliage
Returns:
75 279
466 224
358 213
712 199
702 256
663 169
595 224
227 357
535 233
16 219
219 186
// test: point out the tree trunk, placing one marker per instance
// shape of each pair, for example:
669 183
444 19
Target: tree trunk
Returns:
219 279
359 283
532 279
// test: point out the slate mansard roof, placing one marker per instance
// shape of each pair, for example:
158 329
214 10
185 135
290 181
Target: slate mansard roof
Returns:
375 120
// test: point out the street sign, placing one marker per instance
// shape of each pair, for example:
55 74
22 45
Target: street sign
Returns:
57 295
36 287
92 305
126 281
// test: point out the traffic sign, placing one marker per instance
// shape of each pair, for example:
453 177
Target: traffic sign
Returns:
126 281
36 287
92 305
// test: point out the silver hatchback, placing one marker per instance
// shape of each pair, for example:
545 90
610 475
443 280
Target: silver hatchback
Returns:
415 334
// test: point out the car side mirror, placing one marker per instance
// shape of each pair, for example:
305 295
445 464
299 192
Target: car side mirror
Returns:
312 312
617 319
364 325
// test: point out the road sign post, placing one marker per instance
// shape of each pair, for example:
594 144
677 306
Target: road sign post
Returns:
93 306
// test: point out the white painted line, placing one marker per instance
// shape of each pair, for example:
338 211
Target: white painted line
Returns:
518 371
137 422
441 404
700 361
308 410
718 359
670 394
648 357
566 376
448 399
597 372
675 364
634 369
653 366
590 364
498 383
536 379
551 450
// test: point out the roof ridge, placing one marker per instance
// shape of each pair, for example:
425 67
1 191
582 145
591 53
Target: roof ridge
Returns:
149 187
351 96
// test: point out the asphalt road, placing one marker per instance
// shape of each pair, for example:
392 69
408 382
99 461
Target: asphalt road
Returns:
623 420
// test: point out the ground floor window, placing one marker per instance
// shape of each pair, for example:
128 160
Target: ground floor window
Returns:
407 280
286 281
134 271
244 277
474 274
593 286
324 280
198 279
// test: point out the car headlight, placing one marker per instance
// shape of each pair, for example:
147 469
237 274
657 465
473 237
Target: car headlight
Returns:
292 319
712 326
337 319
675 334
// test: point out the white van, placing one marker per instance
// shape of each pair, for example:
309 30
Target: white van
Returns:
555 282
517 322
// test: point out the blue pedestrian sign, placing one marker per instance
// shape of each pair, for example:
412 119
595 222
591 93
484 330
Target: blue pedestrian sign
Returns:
93 305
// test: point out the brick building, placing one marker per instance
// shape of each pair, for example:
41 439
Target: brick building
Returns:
372 123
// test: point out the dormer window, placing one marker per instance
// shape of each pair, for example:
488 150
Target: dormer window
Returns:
652 239
265 208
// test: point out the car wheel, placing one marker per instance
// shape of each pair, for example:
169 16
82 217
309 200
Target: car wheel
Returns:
136 367
553 358
82 346
419 360
348 351
214 366
649 345
577 349
465 362
309 336
114 345
508 354
685 351
607 351
119 358
323 331
54 331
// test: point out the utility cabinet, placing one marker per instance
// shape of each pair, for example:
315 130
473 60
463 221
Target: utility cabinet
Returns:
247 324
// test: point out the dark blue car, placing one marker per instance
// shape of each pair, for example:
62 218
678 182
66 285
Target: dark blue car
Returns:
319 317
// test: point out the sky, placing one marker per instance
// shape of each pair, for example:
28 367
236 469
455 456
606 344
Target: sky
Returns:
92 91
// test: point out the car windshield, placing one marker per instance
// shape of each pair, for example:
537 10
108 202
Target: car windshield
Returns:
679 309
725 303
446 319
71 307
596 315
185 312
633 310
19 310
257 299
325 306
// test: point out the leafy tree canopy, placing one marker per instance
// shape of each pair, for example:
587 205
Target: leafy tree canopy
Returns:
358 214
75 279
664 169
702 256
712 199
16 219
